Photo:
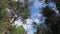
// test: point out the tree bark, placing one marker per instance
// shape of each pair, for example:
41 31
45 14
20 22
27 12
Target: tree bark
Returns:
4 32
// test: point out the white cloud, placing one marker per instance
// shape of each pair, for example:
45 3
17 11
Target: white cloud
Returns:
40 19
30 1
29 27
29 21
18 22
30 32
37 21
36 4
39 4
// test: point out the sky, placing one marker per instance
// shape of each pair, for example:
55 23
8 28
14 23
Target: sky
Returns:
34 15
35 8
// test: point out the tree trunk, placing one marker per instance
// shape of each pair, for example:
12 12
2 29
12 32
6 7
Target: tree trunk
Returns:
4 32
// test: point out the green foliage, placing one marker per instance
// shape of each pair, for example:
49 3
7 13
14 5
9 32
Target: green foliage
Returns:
3 20
3 4
52 21
41 29
3 15
17 7
19 30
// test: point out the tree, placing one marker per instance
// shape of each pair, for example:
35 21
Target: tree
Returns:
20 30
52 21
16 8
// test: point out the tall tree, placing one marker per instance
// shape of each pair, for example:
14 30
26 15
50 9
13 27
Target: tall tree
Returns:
16 8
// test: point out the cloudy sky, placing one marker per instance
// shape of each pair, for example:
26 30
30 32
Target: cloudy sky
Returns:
34 15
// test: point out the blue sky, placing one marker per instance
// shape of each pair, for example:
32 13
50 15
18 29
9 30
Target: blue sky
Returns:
34 10
34 14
